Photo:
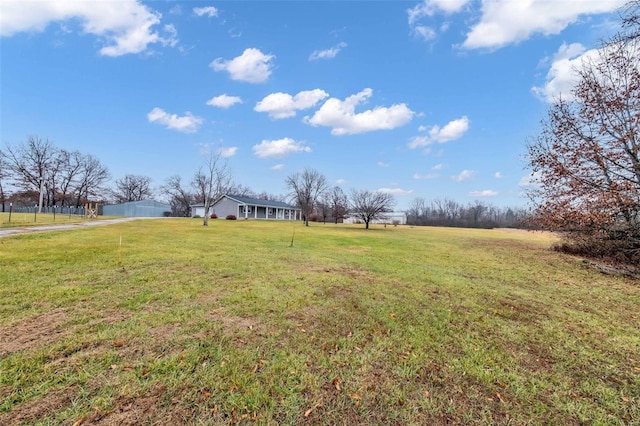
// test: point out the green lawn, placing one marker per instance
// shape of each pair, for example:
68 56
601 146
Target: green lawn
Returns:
170 322
22 219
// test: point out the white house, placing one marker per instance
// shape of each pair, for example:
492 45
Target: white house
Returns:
248 208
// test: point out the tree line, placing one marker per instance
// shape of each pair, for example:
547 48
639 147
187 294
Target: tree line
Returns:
477 214
37 171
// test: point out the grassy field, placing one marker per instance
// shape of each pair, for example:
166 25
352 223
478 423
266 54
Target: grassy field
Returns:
169 322
22 219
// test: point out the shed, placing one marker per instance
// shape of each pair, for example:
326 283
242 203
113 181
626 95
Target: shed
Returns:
143 208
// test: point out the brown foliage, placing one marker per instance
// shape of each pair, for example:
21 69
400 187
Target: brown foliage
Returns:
587 157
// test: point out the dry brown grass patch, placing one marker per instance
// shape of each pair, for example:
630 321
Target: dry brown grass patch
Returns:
35 409
32 333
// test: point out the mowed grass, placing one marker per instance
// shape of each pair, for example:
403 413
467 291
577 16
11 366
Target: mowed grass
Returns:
170 322
22 219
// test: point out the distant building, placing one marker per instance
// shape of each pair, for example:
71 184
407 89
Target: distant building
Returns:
391 218
144 208
248 208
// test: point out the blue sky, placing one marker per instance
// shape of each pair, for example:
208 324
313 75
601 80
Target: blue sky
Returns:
426 99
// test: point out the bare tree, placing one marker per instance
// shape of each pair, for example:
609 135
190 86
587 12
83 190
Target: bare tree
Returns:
30 162
90 179
211 182
370 205
4 175
630 15
306 188
338 203
180 198
132 188
587 156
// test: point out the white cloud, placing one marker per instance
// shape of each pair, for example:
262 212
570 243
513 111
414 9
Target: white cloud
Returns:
209 11
123 27
505 22
341 182
464 175
498 175
341 115
438 167
283 105
252 66
278 167
224 101
327 53
561 77
424 32
395 191
530 180
422 128
228 151
418 176
279 148
428 8
188 123
485 193
451 131
382 164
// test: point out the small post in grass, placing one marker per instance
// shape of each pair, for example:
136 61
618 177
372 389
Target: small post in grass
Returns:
10 208
35 213
54 213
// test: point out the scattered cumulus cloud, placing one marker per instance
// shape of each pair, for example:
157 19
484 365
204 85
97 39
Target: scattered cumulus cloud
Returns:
427 9
498 175
252 66
395 191
228 151
209 11
327 53
424 32
224 101
507 22
382 164
451 131
438 167
278 167
188 123
283 105
279 148
340 115
561 77
464 175
485 193
498 23
341 182
123 27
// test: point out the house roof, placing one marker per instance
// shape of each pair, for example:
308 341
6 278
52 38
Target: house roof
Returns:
258 202
253 202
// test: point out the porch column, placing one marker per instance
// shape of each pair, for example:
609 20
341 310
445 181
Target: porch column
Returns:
255 212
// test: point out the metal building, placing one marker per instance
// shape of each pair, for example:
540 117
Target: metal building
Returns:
144 208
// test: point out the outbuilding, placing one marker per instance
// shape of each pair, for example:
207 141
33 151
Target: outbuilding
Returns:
143 208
